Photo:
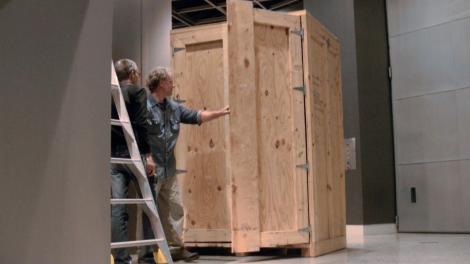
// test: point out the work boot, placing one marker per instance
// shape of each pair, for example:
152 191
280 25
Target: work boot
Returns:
183 254
146 259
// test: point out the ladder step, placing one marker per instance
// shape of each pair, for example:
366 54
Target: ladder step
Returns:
137 243
130 201
117 122
124 161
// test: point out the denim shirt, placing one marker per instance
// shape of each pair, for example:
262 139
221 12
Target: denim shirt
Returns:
164 126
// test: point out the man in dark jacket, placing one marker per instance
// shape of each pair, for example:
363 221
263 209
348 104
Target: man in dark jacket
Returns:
135 98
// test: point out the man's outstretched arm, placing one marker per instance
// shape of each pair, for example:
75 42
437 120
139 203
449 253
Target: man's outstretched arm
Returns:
189 116
207 116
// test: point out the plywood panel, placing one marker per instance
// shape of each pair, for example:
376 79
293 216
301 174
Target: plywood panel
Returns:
281 130
324 138
199 79
275 139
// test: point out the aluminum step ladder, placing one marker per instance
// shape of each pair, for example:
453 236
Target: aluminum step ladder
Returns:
136 165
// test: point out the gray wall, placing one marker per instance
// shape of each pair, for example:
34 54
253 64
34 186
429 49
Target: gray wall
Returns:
141 32
361 29
54 132
127 30
430 55
156 28
375 112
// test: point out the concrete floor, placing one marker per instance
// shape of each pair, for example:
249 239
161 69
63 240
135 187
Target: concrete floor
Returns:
396 248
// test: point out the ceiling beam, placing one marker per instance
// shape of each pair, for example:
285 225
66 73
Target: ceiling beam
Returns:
185 20
259 4
283 4
198 8
175 26
221 10
210 20
181 18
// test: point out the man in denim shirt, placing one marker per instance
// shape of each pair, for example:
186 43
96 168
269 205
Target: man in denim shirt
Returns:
165 117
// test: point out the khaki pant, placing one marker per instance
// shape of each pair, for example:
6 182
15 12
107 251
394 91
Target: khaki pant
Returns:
170 209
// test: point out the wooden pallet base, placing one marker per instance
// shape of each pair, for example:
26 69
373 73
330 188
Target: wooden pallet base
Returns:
229 245
208 244
308 250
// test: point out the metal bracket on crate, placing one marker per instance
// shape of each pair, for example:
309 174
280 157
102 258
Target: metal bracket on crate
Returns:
299 32
303 166
300 88
307 229
178 49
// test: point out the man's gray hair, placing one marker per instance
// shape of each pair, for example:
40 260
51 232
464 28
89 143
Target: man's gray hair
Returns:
158 75
124 69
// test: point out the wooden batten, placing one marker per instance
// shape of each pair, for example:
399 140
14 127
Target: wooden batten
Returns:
243 128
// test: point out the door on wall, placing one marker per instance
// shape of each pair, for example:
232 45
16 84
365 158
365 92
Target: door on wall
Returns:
430 87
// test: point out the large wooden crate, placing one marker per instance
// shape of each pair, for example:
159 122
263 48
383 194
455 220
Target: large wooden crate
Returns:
271 174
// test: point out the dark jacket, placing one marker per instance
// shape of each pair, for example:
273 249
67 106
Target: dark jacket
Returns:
136 104
165 119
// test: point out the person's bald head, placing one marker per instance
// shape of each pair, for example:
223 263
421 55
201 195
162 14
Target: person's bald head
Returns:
127 70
